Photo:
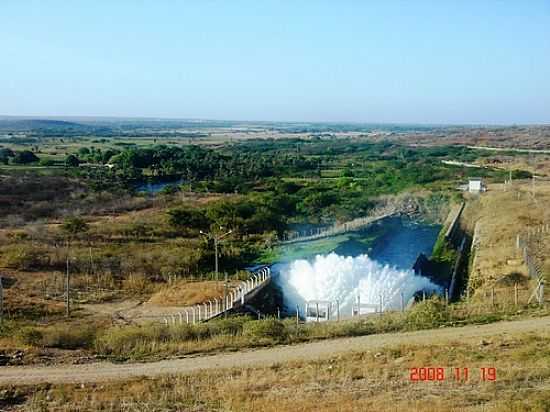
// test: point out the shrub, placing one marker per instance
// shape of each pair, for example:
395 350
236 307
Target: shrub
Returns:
230 326
186 332
30 336
137 284
356 328
25 157
74 225
268 329
428 314
128 340
23 257
72 161
186 217
69 337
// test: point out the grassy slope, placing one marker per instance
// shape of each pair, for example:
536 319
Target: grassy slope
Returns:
367 381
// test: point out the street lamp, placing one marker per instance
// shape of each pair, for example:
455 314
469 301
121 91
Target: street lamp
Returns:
217 239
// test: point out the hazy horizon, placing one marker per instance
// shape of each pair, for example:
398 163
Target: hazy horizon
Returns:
427 63
76 118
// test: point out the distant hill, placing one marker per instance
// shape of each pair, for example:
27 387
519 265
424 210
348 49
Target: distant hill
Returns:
19 125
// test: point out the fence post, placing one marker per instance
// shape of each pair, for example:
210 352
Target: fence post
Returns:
380 304
187 317
1 301
337 310
181 317
297 316
446 296
67 286
278 312
516 294
317 307
402 299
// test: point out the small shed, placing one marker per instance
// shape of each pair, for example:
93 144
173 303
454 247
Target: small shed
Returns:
476 185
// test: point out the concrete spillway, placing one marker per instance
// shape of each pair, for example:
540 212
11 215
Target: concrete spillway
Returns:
337 278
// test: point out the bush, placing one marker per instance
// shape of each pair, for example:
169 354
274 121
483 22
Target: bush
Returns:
30 336
128 340
46 162
231 326
137 284
25 157
356 328
59 336
268 329
69 337
186 217
22 257
428 314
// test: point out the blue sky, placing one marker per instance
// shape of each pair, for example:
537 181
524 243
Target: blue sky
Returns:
363 61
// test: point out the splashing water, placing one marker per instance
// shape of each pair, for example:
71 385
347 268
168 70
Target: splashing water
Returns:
333 277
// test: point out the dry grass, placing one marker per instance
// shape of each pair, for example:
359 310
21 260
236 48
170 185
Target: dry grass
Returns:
155 341
367 381
187 293
501 216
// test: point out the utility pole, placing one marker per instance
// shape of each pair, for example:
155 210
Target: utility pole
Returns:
217 238
67 286
1 301
216 257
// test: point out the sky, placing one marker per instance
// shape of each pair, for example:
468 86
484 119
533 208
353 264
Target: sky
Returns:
435 62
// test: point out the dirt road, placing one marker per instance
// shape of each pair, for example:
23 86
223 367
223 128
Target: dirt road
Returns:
104 371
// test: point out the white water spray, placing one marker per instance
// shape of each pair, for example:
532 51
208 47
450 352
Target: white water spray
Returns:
333 277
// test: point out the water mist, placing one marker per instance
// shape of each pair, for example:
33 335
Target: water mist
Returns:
333 277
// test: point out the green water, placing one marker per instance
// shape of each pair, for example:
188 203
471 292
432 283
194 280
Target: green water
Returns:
395 241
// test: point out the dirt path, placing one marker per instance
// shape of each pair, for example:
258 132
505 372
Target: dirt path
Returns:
104 371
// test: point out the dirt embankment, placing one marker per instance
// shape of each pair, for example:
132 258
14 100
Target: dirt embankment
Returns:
98 372
496 219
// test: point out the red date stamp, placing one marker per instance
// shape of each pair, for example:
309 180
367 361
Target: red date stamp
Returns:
430 374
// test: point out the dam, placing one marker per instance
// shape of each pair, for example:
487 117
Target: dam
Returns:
373 266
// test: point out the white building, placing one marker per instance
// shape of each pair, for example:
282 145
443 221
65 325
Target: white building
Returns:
476 185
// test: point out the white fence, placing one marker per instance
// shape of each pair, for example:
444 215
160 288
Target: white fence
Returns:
215 307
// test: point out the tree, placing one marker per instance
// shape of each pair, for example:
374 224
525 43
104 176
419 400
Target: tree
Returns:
107 155
188 218
74 226
84 151
72 161
25 157
5 154
47 162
